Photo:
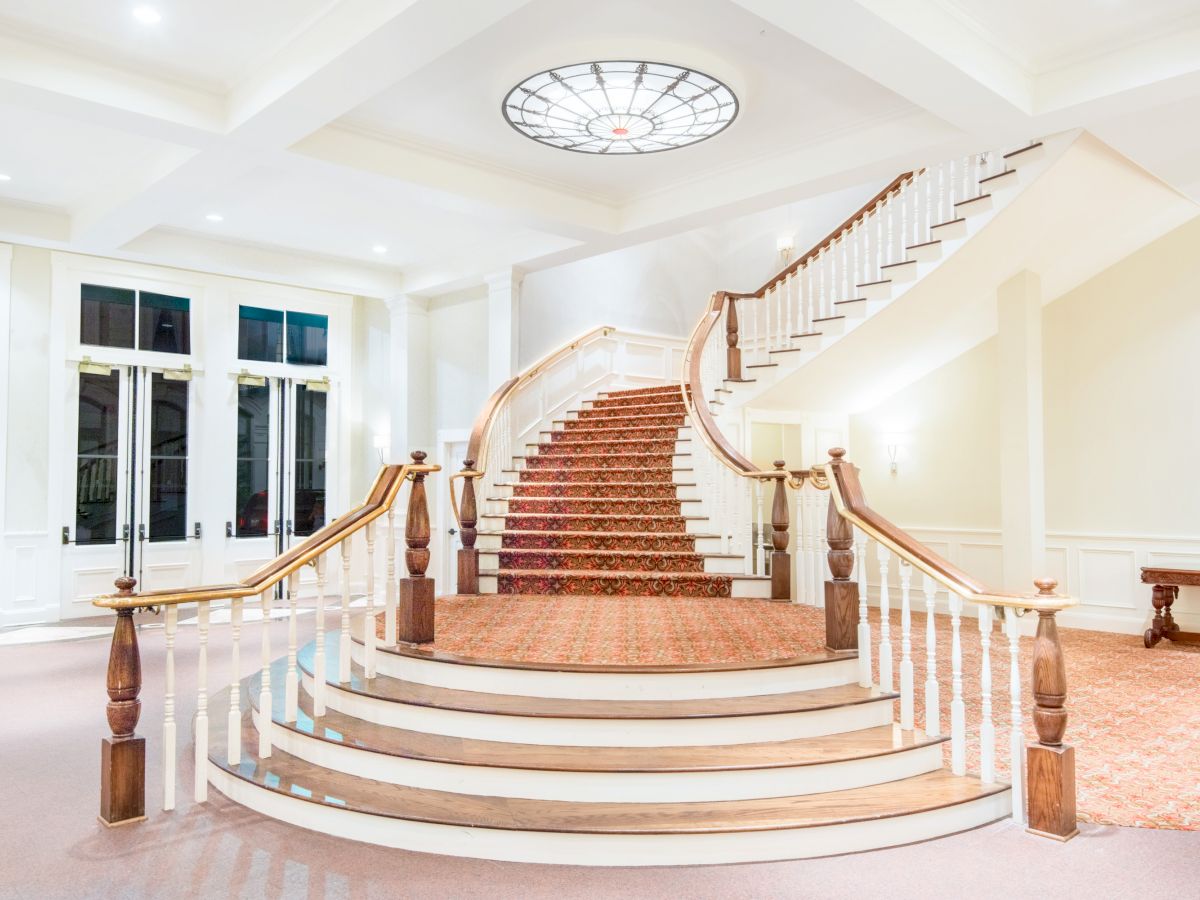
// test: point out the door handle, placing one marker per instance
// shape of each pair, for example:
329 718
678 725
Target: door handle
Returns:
289 527
124 532
453 531
228 529
66 534
196 530
141 532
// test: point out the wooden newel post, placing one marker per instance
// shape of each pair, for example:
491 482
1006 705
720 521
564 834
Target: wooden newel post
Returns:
415 615
1051 763
468 517
841 593
781 560
123 755
733 353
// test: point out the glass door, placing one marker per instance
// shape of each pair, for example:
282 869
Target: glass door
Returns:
128 509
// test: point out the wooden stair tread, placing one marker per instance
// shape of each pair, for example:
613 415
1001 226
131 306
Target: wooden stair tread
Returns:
415 694
624 534
292 776
623 573
582 484
338 728
633 554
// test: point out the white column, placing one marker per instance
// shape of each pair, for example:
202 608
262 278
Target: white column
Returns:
504 291
410 383
1022 453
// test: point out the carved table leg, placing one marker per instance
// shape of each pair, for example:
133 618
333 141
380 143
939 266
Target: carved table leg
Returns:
1170 629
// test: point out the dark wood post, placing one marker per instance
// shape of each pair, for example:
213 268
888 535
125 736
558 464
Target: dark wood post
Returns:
468 517
781 560
733 353
123 756
1051 763
841 594
415 620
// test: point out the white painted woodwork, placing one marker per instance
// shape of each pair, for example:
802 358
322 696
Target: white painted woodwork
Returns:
391 597
318 693
234 725
264 694
933 708
200 727
864 622
291 680
170 621
987 726
1016 735
958 709
344 620
369 637
886 681
907 700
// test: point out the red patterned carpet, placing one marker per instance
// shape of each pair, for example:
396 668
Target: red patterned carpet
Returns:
1134 713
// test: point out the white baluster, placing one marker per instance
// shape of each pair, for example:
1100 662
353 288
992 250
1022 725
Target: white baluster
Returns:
933 709
390 598
344 634
907 703
318 694
234 733
790 326
958 710
370 624
927 182
264 689
864 621
885 624
987 727
1016 742
880 244
847 280
201 727
291 680
171 619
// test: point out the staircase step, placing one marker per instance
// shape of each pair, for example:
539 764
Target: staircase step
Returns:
596 522
584 431
599 540
602 460
602 560
295 790
418 759
584 445
626 474
674 407
613 506
650 420
631 489
586 582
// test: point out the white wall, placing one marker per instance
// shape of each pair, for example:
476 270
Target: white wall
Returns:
1122 430
661 287
458 330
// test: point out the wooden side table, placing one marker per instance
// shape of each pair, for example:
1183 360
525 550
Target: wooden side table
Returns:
1166 588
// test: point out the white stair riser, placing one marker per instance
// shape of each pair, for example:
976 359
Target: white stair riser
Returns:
608 787
901 274
614 685
607 732
683 492
565 848
496 523
759 588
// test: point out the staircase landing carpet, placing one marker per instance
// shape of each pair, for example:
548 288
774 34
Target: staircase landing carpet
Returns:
1134 713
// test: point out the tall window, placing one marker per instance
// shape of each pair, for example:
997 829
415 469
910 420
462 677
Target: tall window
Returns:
96 471
263 333
310 460
253 460
141 320
168 458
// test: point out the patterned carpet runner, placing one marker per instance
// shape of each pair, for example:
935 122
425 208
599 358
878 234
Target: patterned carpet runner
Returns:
595 510
1134 714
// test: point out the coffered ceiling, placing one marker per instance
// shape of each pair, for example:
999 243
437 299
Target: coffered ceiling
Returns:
358 145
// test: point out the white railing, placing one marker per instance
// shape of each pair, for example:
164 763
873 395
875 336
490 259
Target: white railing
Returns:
123 781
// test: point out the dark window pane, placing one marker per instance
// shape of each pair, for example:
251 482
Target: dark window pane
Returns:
105 316
307 339
254 460
165 323
96 473
310 460
168 458
260 334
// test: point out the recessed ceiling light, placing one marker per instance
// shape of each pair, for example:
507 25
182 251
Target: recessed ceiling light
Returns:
379 248
147 15
215 217
4 177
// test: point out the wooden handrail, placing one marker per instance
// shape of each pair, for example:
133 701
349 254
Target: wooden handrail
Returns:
378 501
851 504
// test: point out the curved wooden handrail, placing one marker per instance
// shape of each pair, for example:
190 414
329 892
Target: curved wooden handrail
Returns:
378 501
692 386
851 504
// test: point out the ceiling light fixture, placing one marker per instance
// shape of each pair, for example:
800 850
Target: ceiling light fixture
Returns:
379 248
620 107
4 177
147 15
215 217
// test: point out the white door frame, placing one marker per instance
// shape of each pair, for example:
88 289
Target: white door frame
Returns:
451 447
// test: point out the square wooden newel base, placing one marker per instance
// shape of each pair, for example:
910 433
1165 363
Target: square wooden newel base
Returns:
841 615
414 621
1051 779
122 780
468 571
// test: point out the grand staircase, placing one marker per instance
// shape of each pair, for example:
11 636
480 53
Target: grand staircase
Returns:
607 504
595 765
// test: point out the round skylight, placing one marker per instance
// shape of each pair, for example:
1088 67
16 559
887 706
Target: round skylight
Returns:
620 107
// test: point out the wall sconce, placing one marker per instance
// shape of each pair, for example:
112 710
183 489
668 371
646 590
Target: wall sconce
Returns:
381 442
785 244
893 451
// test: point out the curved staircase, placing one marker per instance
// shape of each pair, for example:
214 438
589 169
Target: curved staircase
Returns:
607 504
596 765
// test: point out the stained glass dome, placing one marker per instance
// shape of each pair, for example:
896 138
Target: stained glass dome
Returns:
620 107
